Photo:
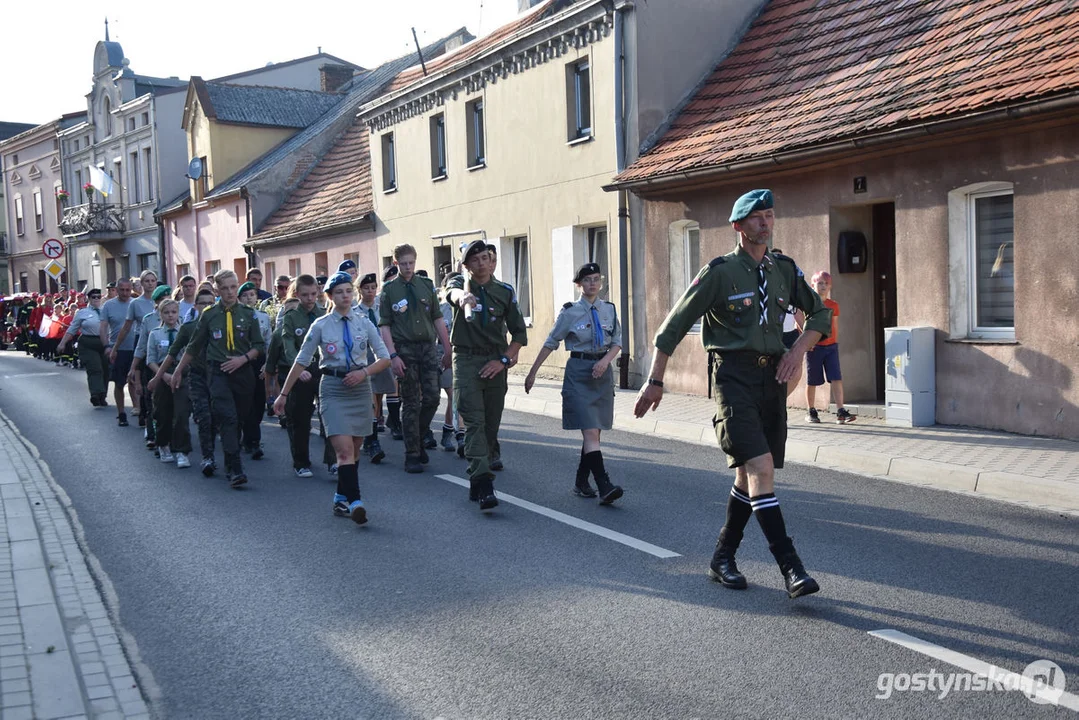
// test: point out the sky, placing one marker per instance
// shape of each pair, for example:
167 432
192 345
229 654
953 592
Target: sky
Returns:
48 47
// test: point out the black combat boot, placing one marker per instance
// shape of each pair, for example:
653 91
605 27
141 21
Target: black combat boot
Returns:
608 492
795 577
581 488
723 568
485 490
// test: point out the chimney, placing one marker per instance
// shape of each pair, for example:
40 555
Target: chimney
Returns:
523 5
333 77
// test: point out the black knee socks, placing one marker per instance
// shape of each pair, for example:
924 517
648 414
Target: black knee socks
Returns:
770 517
348 482
582 470
739 510
393 409
594 462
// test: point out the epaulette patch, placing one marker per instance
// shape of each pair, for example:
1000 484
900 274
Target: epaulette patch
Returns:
567 306
717 261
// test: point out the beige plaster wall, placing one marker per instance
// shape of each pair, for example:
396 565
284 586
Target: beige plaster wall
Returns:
534 181
1028 386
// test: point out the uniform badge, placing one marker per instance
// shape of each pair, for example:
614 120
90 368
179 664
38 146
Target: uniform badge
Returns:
581 326
217 334
331 348
730 307
299 332
747 302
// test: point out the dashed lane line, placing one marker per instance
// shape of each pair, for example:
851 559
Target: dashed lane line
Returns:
574 522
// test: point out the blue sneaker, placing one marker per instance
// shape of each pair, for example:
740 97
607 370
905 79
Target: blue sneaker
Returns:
340 505
357 512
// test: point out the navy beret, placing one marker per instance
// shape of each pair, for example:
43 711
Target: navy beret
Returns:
751 202
586 270
336 279
346 266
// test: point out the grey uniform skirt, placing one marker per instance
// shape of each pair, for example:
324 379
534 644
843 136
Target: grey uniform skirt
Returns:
384 383
344 410
587 402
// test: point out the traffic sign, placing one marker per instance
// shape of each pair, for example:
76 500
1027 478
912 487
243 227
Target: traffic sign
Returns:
55 270
52 248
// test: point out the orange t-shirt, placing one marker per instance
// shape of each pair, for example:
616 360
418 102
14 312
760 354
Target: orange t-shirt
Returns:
831 339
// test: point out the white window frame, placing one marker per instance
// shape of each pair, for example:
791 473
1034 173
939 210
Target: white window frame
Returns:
509 268
439 164
476 112
39 212
579 100
681 271
389 163
962 286
20 217
978 330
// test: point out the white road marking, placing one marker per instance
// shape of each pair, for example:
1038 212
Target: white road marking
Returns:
574 522
22 375
979 667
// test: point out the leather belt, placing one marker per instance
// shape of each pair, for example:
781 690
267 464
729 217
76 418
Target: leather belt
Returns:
476 351
748 357
340 372
587 356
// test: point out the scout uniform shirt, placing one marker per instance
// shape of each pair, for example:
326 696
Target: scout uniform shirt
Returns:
159 343
577 325
327 337
219 340
294 326
410 309
264 326
496 312
146 325
726 293
86 321
183 337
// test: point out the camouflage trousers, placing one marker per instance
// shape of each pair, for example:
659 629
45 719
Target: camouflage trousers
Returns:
419 391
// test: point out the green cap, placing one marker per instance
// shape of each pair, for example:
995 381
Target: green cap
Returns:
751 202
160 291
245 287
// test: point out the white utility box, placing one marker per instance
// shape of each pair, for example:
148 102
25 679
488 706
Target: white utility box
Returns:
910 389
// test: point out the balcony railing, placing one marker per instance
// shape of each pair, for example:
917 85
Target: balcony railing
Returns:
93 219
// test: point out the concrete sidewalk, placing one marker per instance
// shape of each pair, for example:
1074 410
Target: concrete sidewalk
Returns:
1033 471
60 651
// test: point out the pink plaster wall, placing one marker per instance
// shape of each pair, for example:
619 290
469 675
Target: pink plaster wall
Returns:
335 247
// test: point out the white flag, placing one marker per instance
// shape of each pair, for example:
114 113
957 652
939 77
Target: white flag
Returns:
100 181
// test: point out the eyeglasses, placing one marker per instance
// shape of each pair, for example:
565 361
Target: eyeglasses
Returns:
282 287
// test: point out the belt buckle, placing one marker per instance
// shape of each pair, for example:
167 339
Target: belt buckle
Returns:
762 361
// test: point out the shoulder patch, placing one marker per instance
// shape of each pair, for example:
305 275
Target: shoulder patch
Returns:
790 261
567 306
717 261
610 303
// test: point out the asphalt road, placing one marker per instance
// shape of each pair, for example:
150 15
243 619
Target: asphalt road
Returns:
258 603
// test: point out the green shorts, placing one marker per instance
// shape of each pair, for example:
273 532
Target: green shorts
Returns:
751 407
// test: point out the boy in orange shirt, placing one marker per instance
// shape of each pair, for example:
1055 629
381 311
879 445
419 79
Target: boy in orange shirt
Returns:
823 359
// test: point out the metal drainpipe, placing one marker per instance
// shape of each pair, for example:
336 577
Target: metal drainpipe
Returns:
623 209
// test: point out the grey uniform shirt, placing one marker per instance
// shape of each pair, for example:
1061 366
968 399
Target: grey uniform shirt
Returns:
87 320
139 308
326 335
148 323
186 309
115 312
157 344
574 325
264 326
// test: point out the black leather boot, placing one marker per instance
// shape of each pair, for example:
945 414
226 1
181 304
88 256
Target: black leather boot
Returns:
581 488
723 568
608 492
795 577
485 490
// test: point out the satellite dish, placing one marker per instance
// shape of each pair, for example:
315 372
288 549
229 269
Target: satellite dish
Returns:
194 168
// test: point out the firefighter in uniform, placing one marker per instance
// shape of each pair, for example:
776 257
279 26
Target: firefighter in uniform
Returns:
743 297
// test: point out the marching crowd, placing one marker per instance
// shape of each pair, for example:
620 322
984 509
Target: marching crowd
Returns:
226 354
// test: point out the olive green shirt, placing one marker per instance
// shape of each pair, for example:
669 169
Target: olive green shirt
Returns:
294 326
187 331
496 313
211 334
275 354
725 293
409 309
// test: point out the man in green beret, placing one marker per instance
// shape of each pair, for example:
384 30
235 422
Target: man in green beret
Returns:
743 297
483 310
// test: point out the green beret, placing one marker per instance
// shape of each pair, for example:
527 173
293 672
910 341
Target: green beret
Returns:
160 291
245 287
751 202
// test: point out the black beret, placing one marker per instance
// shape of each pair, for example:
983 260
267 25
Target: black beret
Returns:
474 247
586 270
346 265
421 273
368 279
321 279
390 273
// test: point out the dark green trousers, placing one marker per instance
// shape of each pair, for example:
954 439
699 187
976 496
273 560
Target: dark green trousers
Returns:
92 357
480 403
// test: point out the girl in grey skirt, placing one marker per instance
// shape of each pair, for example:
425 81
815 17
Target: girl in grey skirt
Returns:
592 335
342 338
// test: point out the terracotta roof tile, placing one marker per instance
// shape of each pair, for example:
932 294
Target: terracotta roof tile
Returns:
808 72
337 190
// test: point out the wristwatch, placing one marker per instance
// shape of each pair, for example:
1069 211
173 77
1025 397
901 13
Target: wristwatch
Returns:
393 355
653 381
505 360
